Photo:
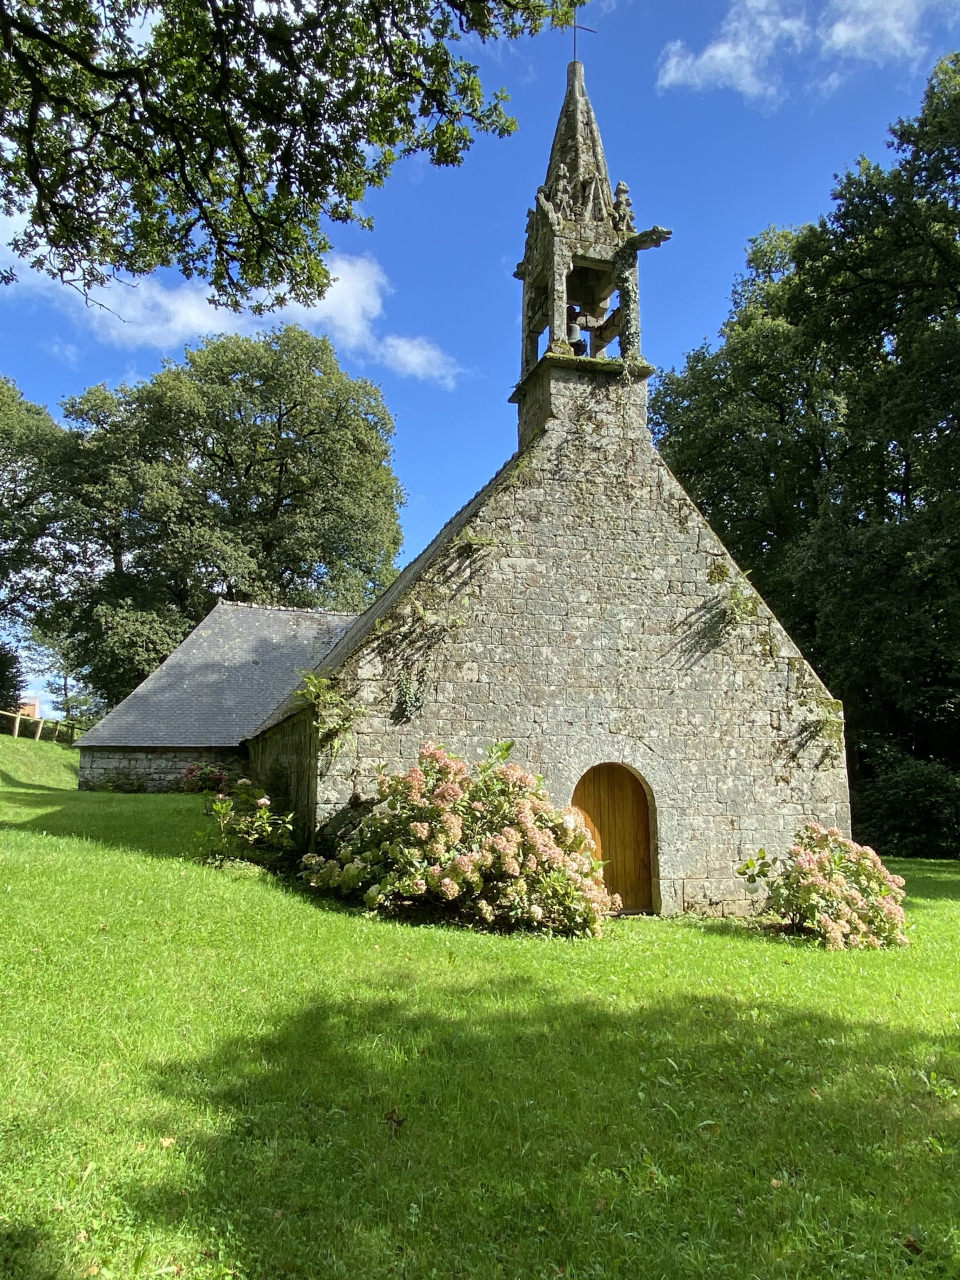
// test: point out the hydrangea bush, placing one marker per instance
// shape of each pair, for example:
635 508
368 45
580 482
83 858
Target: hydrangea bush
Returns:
202 776
486 848
838 889
246 826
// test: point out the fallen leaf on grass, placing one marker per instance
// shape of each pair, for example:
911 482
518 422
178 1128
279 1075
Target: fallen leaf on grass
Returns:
912 1245
395 1119
167 1142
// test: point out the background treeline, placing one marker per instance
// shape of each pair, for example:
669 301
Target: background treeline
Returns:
256 470
821 440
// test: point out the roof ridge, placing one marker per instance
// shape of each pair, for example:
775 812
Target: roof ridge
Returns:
289 608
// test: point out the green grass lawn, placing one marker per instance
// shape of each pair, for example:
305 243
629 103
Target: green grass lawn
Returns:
206 1073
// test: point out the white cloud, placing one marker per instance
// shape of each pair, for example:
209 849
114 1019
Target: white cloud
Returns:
148 313
144 314
828 84
352 304
67 353
756 36
878 30
743 56
420 358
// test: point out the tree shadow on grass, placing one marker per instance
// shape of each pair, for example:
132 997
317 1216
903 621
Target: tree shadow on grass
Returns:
9 782
158 825
511 1135
13 781
25 1255
929 879
756 930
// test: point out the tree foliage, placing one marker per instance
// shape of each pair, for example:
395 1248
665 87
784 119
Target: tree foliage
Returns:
821 439
256 471
11 679
55 657
226 137
29 447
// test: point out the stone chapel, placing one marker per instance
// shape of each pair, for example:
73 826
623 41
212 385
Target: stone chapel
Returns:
579 606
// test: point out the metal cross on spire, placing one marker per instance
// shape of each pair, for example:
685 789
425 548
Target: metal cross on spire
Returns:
577 27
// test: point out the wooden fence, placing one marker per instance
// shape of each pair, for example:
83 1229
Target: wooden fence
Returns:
20 718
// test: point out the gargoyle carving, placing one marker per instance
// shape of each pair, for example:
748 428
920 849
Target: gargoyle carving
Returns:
652 238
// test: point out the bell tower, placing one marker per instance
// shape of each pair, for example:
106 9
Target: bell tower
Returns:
579 273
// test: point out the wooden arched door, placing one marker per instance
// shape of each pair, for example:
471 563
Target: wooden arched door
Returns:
614 803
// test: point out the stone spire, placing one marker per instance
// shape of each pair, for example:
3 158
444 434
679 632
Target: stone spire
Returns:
578 148
579 269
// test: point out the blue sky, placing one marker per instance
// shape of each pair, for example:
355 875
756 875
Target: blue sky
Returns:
722 118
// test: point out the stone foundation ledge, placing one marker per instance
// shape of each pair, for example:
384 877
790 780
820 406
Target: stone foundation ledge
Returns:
155 768
717 896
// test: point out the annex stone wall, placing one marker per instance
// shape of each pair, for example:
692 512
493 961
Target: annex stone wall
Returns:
284 762
582 607
157 768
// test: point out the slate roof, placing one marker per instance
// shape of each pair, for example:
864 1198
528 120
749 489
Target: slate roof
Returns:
227 676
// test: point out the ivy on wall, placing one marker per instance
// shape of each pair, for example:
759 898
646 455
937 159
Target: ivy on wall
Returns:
335 714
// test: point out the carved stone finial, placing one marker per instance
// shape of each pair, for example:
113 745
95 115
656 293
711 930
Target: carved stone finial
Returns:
623 209
544 202
562 200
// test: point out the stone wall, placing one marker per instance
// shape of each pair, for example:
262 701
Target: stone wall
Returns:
284 761
157 768
585 610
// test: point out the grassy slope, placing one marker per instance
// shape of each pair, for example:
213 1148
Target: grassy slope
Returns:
210 1075
28 764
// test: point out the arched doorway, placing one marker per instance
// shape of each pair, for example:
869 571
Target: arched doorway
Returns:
614 803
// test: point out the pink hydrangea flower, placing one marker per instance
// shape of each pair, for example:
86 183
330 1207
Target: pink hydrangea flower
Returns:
447 794
453 826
